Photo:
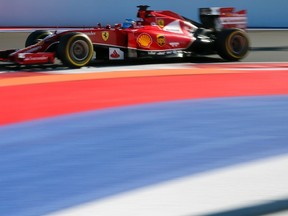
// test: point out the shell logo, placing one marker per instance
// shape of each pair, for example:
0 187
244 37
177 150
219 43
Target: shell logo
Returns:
144 40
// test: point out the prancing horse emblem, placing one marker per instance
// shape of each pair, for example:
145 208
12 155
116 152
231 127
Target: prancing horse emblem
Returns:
160 22
105 35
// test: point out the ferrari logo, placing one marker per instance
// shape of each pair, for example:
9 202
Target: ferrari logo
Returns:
160 22
161 40
105 35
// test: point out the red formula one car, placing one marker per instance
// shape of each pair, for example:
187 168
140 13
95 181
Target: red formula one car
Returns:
155 34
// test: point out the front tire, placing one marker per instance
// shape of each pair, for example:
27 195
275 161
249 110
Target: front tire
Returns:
75 50
36 36
232 44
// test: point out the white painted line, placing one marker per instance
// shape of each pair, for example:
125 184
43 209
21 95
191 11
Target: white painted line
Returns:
218 190
282 213
95 69
258 69
123 68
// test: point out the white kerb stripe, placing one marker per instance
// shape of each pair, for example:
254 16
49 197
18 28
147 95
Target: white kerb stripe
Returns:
218 190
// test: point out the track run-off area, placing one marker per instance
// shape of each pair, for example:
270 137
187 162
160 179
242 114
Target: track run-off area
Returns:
53 94
146 139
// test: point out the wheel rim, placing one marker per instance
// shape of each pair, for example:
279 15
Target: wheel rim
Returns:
238 45
79 50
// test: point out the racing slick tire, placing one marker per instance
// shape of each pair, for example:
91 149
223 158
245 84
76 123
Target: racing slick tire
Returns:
75 50
232 44
36 36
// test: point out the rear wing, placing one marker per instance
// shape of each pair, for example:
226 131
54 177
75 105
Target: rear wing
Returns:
219 18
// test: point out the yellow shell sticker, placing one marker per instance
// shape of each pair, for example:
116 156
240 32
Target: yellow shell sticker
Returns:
105 35
160 22
161 40
144 40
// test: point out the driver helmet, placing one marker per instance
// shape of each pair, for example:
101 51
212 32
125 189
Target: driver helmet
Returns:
128 23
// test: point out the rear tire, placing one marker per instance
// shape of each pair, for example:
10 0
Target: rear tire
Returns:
75 50
36 36
232 44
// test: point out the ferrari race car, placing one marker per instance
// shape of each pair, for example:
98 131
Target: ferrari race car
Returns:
154 34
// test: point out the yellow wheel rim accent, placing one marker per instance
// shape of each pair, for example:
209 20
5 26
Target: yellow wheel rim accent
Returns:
230 49
68 54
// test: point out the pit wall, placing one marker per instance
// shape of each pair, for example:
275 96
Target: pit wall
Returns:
72 13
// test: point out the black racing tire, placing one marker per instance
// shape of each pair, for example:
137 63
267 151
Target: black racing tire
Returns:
36 36
75 50
232 44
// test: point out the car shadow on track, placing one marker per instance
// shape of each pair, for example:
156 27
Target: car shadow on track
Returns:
267 49
10 67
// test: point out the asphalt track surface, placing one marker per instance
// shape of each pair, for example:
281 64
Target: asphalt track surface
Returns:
69 137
